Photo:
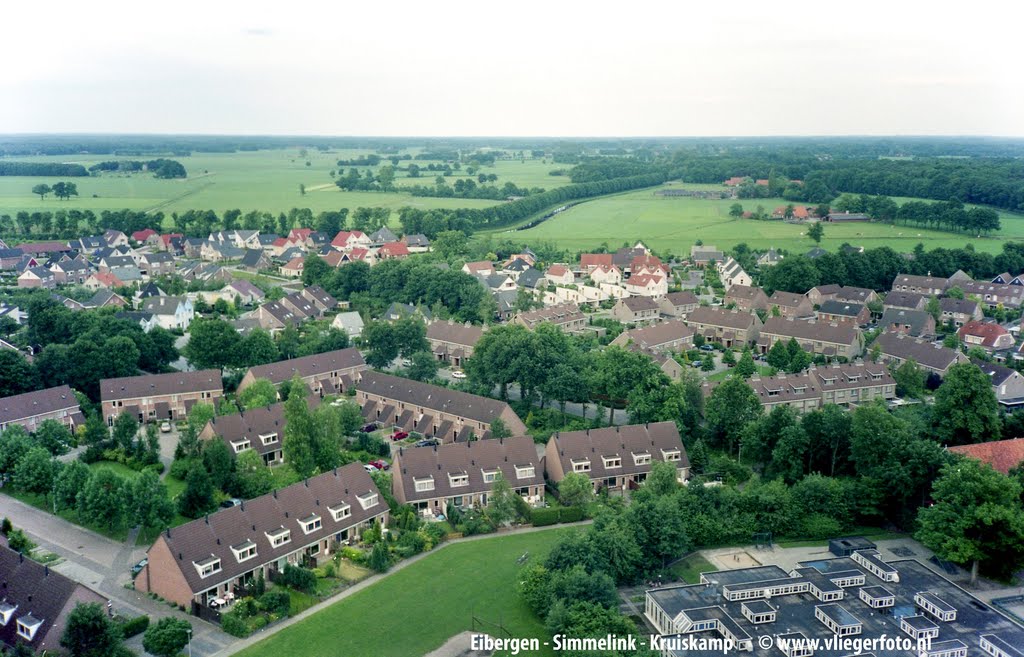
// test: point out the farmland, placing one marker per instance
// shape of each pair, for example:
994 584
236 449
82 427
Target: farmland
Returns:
265 180
675 223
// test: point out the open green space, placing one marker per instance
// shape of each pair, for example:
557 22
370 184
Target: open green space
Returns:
675 223
415 610
689 568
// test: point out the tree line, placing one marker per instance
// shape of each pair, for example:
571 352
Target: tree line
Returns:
161 167
55 169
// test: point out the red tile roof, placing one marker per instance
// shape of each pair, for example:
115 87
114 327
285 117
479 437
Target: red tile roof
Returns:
734 181
557 270
1002 455
143 235
595 259
989 332
393 250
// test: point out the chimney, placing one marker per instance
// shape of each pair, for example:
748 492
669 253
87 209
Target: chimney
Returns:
168 532
275 493
207 519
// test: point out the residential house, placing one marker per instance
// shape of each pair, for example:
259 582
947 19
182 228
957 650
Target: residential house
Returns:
239 239
435 411
148 290
9 258
127 275
853 294
115 238
104 299
732 328
897 348
649 265
13 312
672 335
417 243
908 300
769 258
73 271
923 285
36 602
397 311
815 253
678 304
393 251
498 283
1002 455
531 279
351 323
90 244
157 397
44 248
260 429
143 236
255 260
192 247
825 338
206 271
30 409
452 342
1008 384
220 251
302 307
176 244
515 268
37 277
198 562
321 300
591 261
634 310
559 275
791 304
145 320
959 311
293 268
624 257
732 273
616 458
841 384
647 285
170 312
244 290
702 256
663 359
609 274
348 240
159 263
846 216
799 212
275 317
327 373
837 311
988 335
479 268
565 316
527 255
992 295
462 474
746 298
915 323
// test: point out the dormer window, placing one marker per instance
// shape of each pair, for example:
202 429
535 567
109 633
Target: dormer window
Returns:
28 625
490 476
311 523
642 458
524 472
208 567
244 551
581 465
268 438
240 445
279 537
367 500
423 484
611 462
456 480
670 454
6 611
340 512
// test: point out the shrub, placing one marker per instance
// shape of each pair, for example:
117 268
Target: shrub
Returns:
134 626
300 579
156 468
245 608
355 555
411 543
276 601
233 625
570 514
543 517
180 468
330 570
819 526
436 532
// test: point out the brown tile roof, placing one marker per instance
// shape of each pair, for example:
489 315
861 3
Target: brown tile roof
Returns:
932 356
855 294
320 297
1002 455
563 313
455 333
621 441
786 299
838 332
989 332
684 298
39 402
307 366
927 282
746 292
214 535
904 300
557 270
472 458
435 398
637 304
652 337
250 425
715 316
595 259
480 265
965 306
813 382
153 385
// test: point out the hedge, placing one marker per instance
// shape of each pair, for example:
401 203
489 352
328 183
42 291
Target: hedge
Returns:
570 514
543 517
134 626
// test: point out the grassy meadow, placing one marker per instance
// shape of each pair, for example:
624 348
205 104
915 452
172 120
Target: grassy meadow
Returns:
415 610
675 223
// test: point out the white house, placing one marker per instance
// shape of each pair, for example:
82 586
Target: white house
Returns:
606 274
559 275
351 323
646 285
170 312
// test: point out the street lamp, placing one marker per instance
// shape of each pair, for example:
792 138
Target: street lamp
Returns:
189 630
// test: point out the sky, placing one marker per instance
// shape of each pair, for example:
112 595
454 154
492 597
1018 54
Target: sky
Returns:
527 68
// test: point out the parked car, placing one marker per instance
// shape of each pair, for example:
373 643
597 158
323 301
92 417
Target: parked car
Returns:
165 427
458 374
369 427
137 568
381 464
399 435
227 504
706 347
369 468
428 442
406 362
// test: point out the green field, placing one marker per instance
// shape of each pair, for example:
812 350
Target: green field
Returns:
418 608
675 223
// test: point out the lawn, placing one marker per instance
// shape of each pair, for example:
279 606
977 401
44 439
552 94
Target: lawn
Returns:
676 223
762 370
415 610
689 568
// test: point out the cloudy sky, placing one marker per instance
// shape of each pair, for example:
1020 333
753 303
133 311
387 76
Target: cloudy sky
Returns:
563 68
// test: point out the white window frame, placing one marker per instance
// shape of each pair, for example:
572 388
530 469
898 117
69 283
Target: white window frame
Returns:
28 632
525 472
341 511
581 465
241 445
612 462
279 537
246 553
490 476
642 458
311 524
368 500
269 438
458 480
207 569
424 484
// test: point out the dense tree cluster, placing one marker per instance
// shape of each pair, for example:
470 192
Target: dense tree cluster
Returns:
42 169
161 168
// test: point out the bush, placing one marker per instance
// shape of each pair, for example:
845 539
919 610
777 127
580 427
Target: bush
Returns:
134 626
411 543
155 468
355 555
233 625
330 570
570 514
544 517
180 468
245 608
819 526
276 601
436 533
300 579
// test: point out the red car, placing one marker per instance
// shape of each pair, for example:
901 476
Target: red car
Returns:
380 465
400 435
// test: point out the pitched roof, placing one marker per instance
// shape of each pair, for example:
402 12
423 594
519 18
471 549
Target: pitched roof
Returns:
383 235
246 288
480 266
837 332
917 320
841 308
927 282
811 383
638 304
307 366
965 306
419 239
855 294
472 458
655 335
989 332
38 402
319 296
557 270
787 299
428 396
1002 455
643 280
163 305
562 313
143 235
932 356
904 300
595 259
215 535
529 278
464 334
997 373
684 298
253 257
619 441
746 292
152 385
252 424
394 249
717 316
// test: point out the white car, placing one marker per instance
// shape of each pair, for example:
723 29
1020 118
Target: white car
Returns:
369 468
458 374
165 427
406 362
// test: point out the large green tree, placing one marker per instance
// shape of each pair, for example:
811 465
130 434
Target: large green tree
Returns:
90 632
212 343
966 410
167 637
730 407
104 499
